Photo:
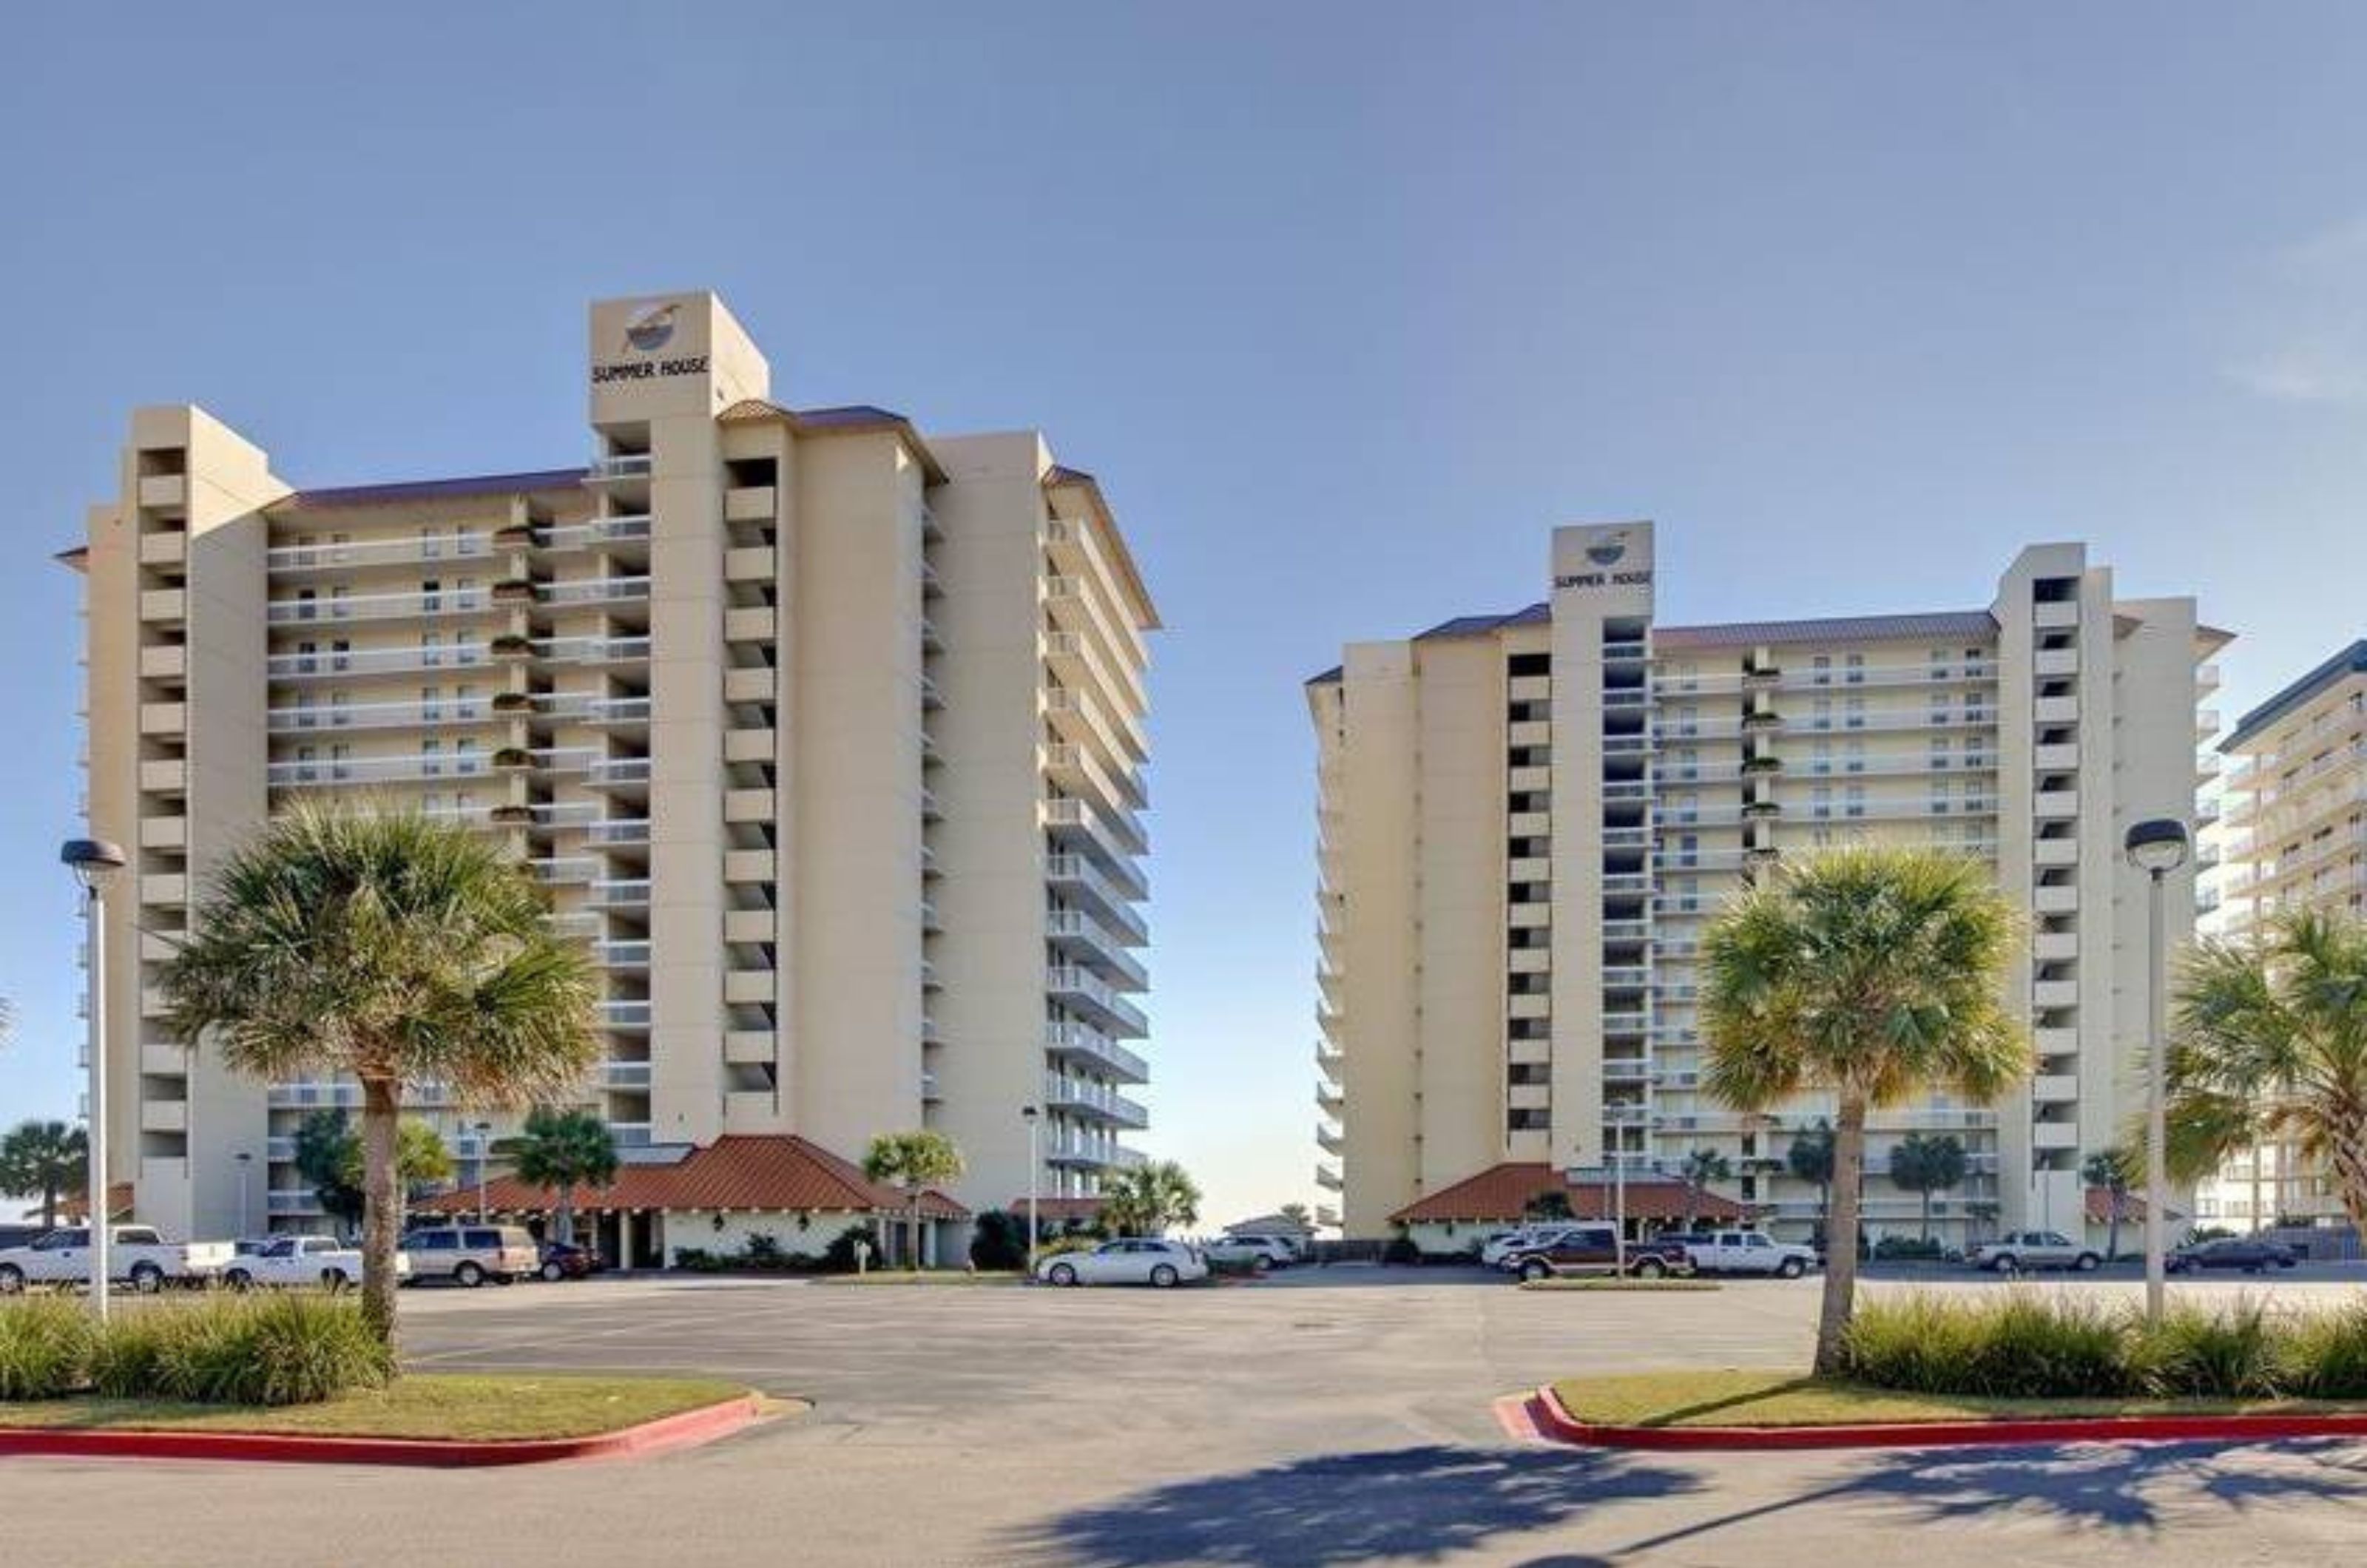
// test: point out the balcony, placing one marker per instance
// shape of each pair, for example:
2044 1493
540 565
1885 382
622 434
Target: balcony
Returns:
629 893
1090 1101
629 954
337 663
1099 1002
622 466
296 718
422 605
291 560
1088 1046
624 1014
1080 881
302 772
1077 936
1086 1151
625 1076
624 527
593 591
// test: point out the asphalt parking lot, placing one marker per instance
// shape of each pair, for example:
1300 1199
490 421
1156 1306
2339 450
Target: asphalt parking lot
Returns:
1320 1417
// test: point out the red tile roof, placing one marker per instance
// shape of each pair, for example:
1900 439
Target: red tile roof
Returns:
1501 1192
2132 1208
744 1172
74 1206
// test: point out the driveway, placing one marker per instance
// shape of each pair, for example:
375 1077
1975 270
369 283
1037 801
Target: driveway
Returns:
1322 1417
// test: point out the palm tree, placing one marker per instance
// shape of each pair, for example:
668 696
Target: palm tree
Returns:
1924 1166
394 948
1149 1200
2108 1172
48 1157
559 1151
1870 974
913 1161
2269 1044
1810 1158
1552 1203
1700 1168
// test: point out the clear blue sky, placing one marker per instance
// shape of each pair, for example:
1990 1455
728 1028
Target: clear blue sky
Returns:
1347 304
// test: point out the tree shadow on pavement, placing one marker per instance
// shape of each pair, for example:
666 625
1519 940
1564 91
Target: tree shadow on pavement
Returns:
2137 1488
1417 1503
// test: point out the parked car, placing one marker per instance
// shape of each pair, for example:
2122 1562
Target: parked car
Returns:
138 1254
2253 1255
1244 1252
1130 1261
566 1260
1594 1249
320 1260
1503 1243
471 1254
1748 1252
2018 1252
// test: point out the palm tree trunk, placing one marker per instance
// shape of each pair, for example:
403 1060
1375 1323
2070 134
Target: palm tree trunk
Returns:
2346 1151
381 1204
563 1219
1927 1216
1841 1238
49 1206
2113 1229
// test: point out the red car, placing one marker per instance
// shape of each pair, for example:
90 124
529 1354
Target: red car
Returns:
1593 1249
565 1260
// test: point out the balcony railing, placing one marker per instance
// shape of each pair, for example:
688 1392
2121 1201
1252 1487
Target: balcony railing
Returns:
1083 1098
296 718
1083 1042
420 604
331 663
302 774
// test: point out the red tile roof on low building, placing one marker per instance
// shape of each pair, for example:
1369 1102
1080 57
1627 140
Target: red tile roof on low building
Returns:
1501 1193
74 1206
743 1172
2132 1208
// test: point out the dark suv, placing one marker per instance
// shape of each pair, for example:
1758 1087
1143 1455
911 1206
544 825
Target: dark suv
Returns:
1594 1249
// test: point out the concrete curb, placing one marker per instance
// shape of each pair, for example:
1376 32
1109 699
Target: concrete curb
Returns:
1554 1422
687 1429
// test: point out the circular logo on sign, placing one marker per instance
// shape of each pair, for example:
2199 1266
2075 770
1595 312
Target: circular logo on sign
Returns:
1606 552
651 328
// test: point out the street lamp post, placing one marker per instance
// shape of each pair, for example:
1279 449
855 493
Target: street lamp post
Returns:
94 861
1032 1117
245 1161
2156 847
484 1131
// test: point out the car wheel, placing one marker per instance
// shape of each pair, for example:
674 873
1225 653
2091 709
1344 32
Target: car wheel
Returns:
147 1279
551 1271
12 1280
1164 1276
334 1280
1062 1274
2008 1264
1650 1268
469 1274
2087 1263
1790 1268
1535 1269
1261 1265
239 1280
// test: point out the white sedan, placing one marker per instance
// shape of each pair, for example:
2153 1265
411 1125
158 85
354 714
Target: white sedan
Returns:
1130 1261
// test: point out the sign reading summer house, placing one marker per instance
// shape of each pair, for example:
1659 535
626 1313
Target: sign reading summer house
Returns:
1604 554
648 331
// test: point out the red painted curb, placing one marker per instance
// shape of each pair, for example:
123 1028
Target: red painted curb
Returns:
684 1430
1558 1424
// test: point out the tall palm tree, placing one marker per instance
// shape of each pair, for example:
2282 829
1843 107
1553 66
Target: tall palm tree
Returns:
913 1161
559 1151
1869 973
1701 1167
48 1157
394 948
1150 1198
1924 1165
2270 1043
2108 1172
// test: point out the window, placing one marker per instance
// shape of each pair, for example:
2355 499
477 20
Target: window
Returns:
1857 713
1856 669
1820 801
1822 666
1855 804
1824 714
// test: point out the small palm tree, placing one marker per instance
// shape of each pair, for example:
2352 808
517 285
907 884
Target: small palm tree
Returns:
1150 1198
1701 1167
2109 1173
559 1151
1924 1166
48 1157
1870 974
1810 1158
2269 1044
913 1161
393 949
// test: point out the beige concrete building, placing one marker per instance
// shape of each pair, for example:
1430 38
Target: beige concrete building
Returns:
828 736
1526 819
2292 834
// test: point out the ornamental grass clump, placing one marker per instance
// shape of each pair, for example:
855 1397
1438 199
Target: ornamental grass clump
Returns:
2326 1354
2233 1352
2025 1346
45 1346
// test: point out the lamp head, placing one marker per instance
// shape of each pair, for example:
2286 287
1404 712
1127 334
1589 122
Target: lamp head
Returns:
92 861
2156 846
1027 1114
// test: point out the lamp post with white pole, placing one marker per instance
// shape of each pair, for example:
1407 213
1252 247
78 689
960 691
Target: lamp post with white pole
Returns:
94 861
1033 1118
2156 847
484 1131
246 1163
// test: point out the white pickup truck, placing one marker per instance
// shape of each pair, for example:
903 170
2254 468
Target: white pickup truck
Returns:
137 1254
1748 1252
321 1260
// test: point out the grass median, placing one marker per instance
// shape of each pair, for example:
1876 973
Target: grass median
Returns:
1609 1284
1729 1397
450 1407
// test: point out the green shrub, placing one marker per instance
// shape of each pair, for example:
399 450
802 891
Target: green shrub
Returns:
2326 1354
999 1240
2023 1346
128 1361
1402 1249
2235 1352
45 1346
839 1255
1904 1249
